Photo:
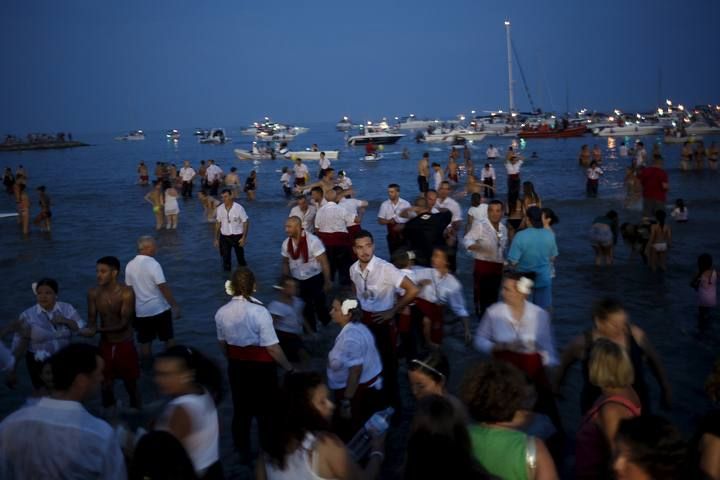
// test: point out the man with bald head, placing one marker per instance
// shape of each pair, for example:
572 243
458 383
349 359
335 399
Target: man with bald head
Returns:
155 305
304 259
331 225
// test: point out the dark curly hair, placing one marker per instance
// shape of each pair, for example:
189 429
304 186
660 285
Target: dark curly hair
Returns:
493 391
655 445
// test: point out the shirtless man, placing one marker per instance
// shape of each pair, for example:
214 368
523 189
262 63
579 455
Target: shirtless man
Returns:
43 218
156 198
423 173
143 176
467 157
584 156
327 182
597 154
114 303
452 170
232 181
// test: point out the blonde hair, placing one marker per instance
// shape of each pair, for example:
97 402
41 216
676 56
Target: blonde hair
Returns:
610 365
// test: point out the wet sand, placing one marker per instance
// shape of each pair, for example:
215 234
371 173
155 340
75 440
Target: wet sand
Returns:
99 210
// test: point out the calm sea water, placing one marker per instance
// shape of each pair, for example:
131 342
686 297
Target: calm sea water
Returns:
98 210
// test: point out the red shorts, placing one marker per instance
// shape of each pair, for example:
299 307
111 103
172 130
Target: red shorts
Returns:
434 313
121 360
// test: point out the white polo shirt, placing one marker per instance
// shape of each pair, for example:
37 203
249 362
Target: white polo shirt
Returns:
488 173
442 290
243 323
332 218
307 217
452 205
391 211
492 153
354 346
352 205
299 269
143 273
324 163
213 173
231 221
478 213
301 170
594 173
513 168
493 242
187 173
376 285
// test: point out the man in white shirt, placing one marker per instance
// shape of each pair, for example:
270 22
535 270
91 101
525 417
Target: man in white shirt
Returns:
445 202
231 230
317 198
214 175
488 179
305 212
304 259
331 225
389 215
56 437
324 164
187 174
512 165
301 172
155 305
376 282
486 242
492 153
354 207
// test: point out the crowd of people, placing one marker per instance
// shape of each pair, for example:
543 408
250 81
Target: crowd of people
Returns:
391 316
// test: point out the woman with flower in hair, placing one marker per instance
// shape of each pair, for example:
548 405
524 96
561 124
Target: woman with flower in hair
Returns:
354 368
248 340
42 330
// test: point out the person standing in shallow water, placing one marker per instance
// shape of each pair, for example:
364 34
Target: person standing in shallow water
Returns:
231 230
155 197
423 170
143 175
43 218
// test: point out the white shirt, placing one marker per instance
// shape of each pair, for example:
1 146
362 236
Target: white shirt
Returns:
144 274
203 443
678 215
354 346
307 217
513 168
332 218
187 173
300 170
352 205
452 205
376 285
640 157
437 179
299 269
392 211
58 439
324 162
623 151
594 173
441 290
44 338
232 221
488 173
285 179
243 323
478 213
492 152
493 242
213 173
344 182
533 330
288 318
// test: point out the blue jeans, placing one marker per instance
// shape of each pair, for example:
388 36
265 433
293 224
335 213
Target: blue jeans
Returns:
542 297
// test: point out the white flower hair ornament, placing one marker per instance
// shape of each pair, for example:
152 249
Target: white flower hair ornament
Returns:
525 285
348 305
229 288
34 287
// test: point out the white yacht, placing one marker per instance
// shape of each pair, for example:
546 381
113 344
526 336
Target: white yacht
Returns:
375 135
132 136
629 129
216 136
343 125
412 123
701 128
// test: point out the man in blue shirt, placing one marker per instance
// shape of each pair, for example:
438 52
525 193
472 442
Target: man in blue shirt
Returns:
534 250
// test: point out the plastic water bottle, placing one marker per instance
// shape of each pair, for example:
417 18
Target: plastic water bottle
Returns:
376 426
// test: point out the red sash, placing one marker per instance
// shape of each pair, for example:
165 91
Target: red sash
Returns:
251 353
530 363
334 239
302 248
483 267
434 313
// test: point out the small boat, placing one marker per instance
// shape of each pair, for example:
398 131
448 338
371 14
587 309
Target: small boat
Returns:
132 136
372 158
265 152
454 137
378 137
310 155
275 137
173 135
343 125
215 136
630 129
547 132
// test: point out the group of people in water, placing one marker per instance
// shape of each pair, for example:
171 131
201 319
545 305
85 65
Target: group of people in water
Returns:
395 320
16 184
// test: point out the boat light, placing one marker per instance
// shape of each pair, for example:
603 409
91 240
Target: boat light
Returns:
611 119
669 103
660 111
507 23
472 111
681 108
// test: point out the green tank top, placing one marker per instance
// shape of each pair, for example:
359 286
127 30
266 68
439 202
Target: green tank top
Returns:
500 451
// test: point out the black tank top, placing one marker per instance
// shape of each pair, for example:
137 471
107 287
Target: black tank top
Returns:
590 392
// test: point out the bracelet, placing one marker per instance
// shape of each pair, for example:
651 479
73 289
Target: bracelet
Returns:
377 453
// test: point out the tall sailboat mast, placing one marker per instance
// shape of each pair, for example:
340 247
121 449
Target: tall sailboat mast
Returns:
509 57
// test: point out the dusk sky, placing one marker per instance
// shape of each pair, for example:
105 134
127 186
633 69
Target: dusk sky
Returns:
89 66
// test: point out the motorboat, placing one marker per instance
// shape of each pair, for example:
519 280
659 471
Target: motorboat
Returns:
275 136
270 128
343 125
454 137
312 155
374 157
546 132
172 135
256 153
702 128
629 129
375 135
132 136
412 123
216 136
